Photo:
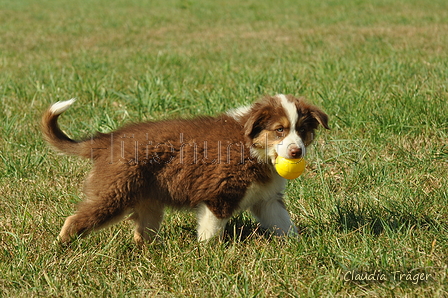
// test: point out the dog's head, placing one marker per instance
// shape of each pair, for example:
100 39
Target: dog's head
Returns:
282 125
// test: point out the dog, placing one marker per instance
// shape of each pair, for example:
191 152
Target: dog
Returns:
217 166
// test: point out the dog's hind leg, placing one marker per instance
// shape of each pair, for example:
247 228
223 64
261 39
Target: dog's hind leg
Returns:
148 216
93 214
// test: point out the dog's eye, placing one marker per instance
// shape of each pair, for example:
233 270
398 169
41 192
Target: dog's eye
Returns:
281 129
302 130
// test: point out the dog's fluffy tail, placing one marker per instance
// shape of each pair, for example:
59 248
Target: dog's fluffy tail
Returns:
55 136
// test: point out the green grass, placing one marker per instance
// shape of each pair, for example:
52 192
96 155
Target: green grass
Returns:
374 196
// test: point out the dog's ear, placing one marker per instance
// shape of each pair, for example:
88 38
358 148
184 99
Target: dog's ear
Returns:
316 113
255 123
320 116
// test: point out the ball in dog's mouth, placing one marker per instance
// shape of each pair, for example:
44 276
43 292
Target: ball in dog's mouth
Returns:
289 168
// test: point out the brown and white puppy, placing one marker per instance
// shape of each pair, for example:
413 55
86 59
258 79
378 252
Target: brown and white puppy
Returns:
216 165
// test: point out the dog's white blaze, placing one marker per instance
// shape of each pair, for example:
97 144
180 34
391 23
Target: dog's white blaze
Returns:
290 109
61 106
292 138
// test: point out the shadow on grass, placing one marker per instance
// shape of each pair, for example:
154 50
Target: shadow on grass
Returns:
349 216
241 228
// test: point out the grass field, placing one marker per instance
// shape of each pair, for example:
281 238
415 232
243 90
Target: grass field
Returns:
374 198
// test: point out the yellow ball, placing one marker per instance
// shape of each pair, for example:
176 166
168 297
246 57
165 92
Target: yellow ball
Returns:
289 168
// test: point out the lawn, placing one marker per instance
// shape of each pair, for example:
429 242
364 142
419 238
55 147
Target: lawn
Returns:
372 204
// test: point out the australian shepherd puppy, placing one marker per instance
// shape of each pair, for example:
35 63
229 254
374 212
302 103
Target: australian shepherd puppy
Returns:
215 165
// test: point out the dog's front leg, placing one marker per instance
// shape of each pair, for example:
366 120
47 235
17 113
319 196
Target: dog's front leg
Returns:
208 224
273 216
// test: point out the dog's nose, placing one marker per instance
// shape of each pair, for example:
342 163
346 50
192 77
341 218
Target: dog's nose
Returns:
295 152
